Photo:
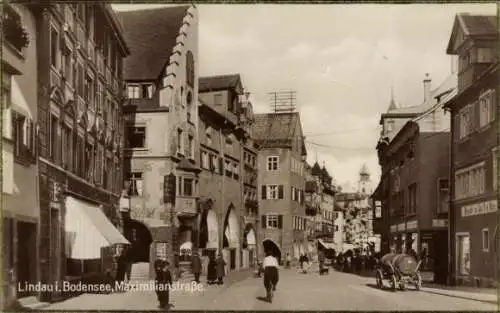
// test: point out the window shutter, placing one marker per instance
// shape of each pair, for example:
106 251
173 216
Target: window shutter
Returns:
293 193
264 192
280 192
301 196
263 220
280 221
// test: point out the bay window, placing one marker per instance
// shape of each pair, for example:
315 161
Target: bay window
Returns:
186 186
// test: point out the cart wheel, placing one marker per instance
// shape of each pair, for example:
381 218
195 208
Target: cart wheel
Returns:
418 281
394 283
379 278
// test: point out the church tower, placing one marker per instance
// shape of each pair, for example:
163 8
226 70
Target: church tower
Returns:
365 183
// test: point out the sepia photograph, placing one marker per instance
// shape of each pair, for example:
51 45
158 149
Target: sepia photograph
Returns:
260 157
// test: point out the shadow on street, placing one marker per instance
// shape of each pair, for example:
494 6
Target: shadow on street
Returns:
264 299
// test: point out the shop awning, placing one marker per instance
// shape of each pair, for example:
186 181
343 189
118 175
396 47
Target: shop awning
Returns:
326 245
88 230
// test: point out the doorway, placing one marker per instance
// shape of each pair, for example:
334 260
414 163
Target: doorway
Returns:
232 258
140 238
26 259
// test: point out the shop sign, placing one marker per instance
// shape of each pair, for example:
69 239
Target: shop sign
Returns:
412 225
480 208
439 223
401 227
394 228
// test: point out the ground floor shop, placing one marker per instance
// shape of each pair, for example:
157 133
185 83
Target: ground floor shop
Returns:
477 243
79 231
20 260
429 245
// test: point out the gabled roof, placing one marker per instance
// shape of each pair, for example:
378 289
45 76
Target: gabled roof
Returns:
325 173
316 170
220 82
151 35
276 126
472 26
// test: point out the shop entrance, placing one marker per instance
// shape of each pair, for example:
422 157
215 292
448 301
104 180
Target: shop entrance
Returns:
26 262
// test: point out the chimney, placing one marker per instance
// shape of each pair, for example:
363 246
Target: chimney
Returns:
427 87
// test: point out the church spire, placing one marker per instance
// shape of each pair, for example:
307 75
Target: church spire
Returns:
392 104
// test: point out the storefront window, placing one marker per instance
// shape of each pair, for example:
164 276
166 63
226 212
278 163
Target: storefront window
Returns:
463 254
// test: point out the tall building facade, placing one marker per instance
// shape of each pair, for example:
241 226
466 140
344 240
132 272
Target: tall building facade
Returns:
474 234
81 50
20 207
160 202
228 179
281 182
430 118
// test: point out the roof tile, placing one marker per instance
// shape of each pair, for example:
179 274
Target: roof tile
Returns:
275 125
220 82
151 35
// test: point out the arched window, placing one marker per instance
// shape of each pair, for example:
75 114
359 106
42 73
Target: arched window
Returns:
190 69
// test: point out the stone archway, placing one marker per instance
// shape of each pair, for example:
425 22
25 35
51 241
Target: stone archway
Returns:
249 252
231 229
231 239
140 238
209 230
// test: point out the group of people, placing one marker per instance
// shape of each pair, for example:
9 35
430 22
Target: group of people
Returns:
356 261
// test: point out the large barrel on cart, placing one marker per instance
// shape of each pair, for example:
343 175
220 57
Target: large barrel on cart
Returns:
399 270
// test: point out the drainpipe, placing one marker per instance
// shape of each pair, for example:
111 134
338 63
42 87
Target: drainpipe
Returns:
451 212
221 211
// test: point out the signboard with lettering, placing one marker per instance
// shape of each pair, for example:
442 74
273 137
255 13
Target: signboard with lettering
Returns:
186 205
480 208
169 188
401 227
412 225
439 223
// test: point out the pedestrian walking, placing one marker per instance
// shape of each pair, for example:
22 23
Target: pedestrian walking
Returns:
211 270
163 282
196 267
221 266
271 275
288 260
321 260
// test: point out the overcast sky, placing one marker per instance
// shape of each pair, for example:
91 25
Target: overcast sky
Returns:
340 59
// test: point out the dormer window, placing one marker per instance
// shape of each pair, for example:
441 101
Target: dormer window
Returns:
140 91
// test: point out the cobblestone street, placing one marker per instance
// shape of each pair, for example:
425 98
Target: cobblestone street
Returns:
336 291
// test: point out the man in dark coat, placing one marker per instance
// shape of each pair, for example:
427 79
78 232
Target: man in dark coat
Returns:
221 266
163 282
196 267
211 270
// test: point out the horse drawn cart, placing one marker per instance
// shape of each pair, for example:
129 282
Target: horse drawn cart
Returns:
400 270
